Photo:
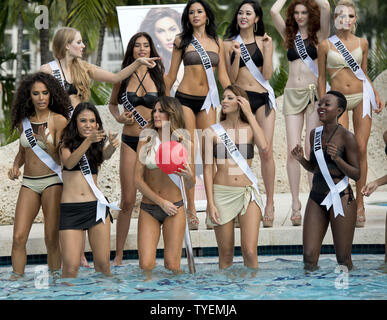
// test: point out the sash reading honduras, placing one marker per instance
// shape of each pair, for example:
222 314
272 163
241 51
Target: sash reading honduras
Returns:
368 92
333 196
102 202
212 96
137 116
300 47
58 75
238 158
41 154
255 72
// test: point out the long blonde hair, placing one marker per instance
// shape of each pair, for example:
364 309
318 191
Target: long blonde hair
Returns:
347 3
78 68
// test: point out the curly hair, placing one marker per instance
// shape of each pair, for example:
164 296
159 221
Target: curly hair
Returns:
313 22
72 140
156 73
22 106
232 30
187 33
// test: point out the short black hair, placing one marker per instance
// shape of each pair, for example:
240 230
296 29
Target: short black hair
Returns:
341 100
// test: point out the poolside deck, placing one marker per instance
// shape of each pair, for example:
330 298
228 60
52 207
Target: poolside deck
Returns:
282 233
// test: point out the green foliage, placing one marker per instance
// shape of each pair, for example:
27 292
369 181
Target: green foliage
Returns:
100 93
377 60
278 80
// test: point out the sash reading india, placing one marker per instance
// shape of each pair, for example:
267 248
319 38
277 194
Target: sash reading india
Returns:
255 72
333 197
102 203
40 153
368 92
58 75
212 96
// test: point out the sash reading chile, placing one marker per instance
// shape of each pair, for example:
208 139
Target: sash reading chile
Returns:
137 116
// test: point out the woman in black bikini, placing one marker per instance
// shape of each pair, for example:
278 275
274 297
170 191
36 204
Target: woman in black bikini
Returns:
197 21
142 90
340 155
162 203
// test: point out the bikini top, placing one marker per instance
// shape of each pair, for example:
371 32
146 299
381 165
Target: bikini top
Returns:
292 53
148 100
255 53
69 87
246 150
192 58
150 158
93 168
35 127
336 61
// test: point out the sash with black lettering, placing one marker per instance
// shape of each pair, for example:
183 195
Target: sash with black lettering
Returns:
300 47
238 158
368 92
212 98
40 153
102 203
137 116
58 75
333 197
255 72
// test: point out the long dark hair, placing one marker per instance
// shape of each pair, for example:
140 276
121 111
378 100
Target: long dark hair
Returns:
232 30
187 33
156 73
72 140
22 106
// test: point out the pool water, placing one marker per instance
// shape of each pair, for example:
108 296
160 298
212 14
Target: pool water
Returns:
278 277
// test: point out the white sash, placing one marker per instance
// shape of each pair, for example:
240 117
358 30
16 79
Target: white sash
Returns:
212 96
137 116
40 153
256 73
58 75
102 202
238 158
368 92
300 47
333 196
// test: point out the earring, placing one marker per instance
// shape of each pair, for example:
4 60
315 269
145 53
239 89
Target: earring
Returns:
255 27
207 21
188 25
237 26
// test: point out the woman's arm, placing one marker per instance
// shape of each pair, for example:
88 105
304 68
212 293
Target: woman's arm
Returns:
232 69
279 22
364 62
111 147
267 69
208 171
322 50
98 74
170 78
125 116
222 70
298 154
70 159
325 16
14 172
351 167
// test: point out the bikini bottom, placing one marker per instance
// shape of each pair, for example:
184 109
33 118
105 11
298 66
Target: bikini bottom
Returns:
195 103
319 197
41 183
156 212
130 141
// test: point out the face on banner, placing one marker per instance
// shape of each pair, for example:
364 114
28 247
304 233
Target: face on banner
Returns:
161 22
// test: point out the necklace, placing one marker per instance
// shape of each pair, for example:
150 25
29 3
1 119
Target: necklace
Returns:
330 137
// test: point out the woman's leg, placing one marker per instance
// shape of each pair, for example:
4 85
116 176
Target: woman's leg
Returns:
173 235
249 226
99 237
128 199
84 262
27 208
225 240
51 210
311 121
267 161
190 123
316 223
71 246
343 229
148 235
294 124
362 129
